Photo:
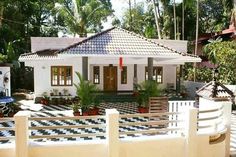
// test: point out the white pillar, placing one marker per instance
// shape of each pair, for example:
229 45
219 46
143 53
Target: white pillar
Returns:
227 108
112 132
191 133
21 133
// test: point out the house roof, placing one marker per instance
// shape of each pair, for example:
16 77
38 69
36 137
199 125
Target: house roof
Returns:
117 42
215 91
43 43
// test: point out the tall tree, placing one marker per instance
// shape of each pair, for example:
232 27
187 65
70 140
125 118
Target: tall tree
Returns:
156 18
81 16
143 20
175 20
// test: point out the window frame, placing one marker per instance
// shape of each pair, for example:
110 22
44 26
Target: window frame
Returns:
155 67
58 78
122 75
99 79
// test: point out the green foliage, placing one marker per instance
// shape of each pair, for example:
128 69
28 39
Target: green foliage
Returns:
75 107
85 91
3 58
141 22
147 89
203 74
223 54
81 16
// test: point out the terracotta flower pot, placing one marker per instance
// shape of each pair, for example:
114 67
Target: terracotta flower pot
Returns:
93 111
85 113
1 115
142 109
44 102
76 113
11 114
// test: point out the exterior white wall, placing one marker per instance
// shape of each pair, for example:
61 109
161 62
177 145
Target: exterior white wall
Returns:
5 85
42 74
169 75
72 150
162 146
205 149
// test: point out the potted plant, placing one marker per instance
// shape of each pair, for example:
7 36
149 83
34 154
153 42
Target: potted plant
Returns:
142 102
55 91
75 108
51 93
85 92
146 90
13 109
65 91
45 99
1 114
94 110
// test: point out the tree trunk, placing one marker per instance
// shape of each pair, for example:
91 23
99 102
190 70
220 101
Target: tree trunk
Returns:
1 14
174 19
183 20
130 14
150 68
196 42
197 23
156 19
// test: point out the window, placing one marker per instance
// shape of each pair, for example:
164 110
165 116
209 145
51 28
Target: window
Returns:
124 75
61 75
96 75
157 74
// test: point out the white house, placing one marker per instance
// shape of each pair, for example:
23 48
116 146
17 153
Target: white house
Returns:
100 58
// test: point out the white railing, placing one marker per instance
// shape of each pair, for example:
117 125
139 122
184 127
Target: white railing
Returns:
151 123
179 106
211 120
61 135
3 128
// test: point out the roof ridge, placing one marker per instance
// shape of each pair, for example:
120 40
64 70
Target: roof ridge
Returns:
86 39
32 53
154 42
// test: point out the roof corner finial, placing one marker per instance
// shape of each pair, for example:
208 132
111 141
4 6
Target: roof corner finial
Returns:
215 74
215 84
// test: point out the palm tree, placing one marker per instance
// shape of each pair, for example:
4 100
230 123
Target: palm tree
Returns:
197 25
79 15
156 19
174 11
185 4
196 41
1 12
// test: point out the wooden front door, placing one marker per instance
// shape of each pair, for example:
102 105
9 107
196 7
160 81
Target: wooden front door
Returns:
110 78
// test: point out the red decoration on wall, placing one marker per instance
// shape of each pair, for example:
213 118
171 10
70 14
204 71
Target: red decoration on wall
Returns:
121 63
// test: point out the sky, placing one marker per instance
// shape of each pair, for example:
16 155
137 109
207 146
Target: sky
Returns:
119 7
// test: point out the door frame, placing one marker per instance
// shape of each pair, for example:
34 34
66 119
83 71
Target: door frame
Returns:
115 78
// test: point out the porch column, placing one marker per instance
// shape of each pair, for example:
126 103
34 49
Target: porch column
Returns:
150 68
135 79
85 67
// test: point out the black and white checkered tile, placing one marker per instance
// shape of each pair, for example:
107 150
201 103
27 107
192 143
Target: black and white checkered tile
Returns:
49 111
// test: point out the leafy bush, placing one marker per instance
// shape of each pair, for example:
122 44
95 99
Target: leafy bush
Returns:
85 90
145 90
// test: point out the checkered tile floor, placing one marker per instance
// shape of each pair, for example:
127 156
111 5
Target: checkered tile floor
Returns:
49 111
